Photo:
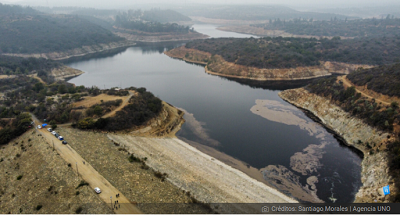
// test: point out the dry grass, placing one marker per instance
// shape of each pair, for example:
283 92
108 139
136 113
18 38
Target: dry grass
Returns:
135 180
34 175
90 101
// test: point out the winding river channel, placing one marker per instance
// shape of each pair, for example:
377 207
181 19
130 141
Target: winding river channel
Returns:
247 121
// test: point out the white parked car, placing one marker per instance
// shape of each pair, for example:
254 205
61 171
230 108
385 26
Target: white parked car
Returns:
39 127
49 129
97 190
53 133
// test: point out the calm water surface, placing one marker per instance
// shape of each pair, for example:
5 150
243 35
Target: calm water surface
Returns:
221 108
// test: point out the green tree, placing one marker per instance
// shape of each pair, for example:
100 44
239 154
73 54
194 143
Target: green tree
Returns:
62 89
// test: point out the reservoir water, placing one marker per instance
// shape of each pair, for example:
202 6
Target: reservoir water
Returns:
247 121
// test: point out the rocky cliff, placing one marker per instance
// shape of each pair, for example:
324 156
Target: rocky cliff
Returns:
166 124
78 51
357 134
65 72
216 65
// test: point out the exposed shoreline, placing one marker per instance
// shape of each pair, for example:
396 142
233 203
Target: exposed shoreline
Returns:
216 65
77 52
247 29
206 178
355 134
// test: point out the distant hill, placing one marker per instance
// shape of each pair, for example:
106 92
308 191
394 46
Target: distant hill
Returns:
14 9
164 16
295 52
388 27
32 32
154 21
253 12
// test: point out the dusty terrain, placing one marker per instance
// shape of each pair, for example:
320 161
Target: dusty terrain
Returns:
65 72
77 52
206 178
136 181
216 65
356 133
89 174
46 180
92 100
7 76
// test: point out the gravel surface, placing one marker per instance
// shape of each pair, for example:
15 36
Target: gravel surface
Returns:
138 184
206 178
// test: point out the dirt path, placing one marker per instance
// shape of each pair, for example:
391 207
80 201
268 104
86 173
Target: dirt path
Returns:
124 103
37 78
347 83
89 174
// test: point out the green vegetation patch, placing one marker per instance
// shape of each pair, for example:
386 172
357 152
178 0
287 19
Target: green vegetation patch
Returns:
294 52
18 65
337 27
153 21
372 112
40 33
140 109
382 79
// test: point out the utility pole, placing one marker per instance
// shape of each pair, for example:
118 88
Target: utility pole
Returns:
77 168
111 200
53 144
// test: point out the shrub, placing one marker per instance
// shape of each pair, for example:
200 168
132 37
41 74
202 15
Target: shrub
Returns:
19 177
133 159
77 193
82 183
78 210
38 207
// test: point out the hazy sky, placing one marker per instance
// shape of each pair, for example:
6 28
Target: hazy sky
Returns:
118 3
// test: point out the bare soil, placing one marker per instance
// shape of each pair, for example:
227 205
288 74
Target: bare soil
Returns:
90 101
135 180
46 181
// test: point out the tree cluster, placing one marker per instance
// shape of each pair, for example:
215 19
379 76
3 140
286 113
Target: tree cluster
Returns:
140 109
18 65
382 79
281 52
133 21
16 128
39 33
372 112
388 27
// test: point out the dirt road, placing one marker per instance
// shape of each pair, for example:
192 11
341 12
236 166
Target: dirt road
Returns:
124 103
347 83
89 174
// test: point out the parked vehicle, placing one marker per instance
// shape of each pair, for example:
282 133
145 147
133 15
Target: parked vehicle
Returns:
60 137
39 127
53 132
49 129
64 142
57 135
97 190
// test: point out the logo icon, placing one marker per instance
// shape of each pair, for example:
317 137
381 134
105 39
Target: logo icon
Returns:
265 209
386 190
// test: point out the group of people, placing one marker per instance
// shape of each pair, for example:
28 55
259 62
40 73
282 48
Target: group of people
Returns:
116 204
